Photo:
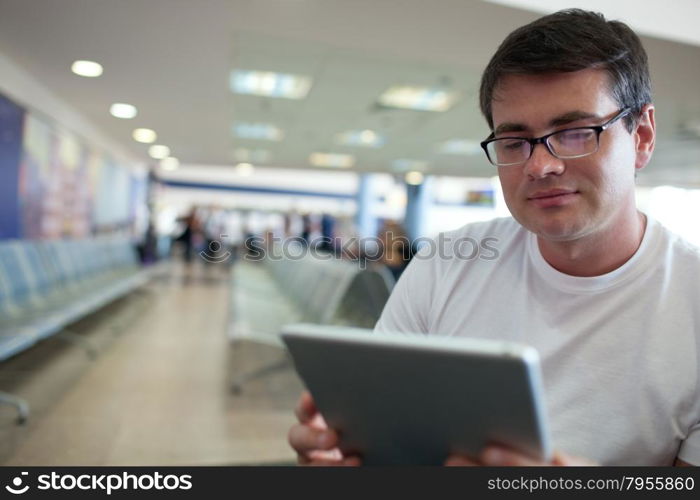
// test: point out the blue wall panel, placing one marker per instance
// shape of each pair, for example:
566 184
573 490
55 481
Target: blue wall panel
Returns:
11 123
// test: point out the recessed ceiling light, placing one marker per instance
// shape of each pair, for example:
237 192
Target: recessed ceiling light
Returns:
406 165
169 163
418 98
144 135
460 147
90 69
333 160
258 131
245 169
269 84
414 178
158 151
363 138
122 110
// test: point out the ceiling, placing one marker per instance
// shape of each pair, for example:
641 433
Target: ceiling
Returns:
172 60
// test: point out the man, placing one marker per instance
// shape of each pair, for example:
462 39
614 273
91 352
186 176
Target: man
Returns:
607 295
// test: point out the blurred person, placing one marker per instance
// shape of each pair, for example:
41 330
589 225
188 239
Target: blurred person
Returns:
396 251
188 235
214 232
327 243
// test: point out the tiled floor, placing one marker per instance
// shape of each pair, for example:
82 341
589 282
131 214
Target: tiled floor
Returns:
159 391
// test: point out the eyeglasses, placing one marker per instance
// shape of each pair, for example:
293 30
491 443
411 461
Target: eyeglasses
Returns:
565 144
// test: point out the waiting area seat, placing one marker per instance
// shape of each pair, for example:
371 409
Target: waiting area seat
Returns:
47 285
311 288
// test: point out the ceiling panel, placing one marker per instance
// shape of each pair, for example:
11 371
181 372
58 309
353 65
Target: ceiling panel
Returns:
172 59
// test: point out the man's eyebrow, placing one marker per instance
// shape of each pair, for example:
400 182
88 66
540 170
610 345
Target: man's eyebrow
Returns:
565 119
570 117
509 127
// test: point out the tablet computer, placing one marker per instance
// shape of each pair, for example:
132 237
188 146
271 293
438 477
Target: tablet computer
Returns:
415 399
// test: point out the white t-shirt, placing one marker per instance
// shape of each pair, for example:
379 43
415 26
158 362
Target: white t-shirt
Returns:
619 351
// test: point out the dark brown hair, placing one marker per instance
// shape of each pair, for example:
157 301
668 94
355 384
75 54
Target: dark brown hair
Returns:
573 40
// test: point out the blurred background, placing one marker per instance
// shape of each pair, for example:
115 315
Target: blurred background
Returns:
178 179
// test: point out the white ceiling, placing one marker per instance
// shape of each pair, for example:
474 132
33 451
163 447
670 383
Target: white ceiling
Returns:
172 58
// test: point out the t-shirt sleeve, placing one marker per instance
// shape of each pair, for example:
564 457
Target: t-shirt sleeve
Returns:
408 306
690 448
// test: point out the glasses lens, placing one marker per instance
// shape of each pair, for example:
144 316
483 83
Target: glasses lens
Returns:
508 151
572 143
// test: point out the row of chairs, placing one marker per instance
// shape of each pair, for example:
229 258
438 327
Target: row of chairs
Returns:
303 288
47 285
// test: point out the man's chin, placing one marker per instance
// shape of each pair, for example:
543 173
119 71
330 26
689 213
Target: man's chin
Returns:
555 231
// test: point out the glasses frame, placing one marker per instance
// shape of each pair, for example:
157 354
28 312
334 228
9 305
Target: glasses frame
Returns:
598 129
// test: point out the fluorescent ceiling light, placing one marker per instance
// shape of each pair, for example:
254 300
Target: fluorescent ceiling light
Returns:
122 110
158 151
414 178
258 131
418 98
406 165
333 160
362 138
245 169
89 69
462 147
269 84
144 135
252 155
169 163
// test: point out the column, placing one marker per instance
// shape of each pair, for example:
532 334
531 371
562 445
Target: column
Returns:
366 219
418 200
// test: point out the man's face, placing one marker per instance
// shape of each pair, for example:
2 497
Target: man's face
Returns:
564 200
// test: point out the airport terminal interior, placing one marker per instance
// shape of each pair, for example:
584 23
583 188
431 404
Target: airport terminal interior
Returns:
180 179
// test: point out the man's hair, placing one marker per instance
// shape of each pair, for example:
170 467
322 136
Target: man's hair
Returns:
573 40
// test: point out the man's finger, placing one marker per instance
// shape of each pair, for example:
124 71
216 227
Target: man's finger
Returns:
306 408
562 459
304 438
332 457
460 461
496 457
345 462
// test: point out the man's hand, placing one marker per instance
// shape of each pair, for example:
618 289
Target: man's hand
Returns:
316 444
496 456
311 438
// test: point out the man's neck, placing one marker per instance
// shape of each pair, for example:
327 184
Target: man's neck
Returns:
598 254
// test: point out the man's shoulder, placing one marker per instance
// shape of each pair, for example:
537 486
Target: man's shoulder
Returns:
679 247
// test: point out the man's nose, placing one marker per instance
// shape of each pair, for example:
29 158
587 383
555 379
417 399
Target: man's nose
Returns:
542 163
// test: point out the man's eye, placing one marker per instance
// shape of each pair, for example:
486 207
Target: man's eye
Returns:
575 136
512 144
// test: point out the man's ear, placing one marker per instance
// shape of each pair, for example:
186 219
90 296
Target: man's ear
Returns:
645 136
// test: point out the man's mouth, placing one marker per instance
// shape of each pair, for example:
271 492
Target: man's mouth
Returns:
552 197
551 193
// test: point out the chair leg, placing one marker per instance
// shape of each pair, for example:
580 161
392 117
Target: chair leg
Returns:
140 301
19 403
79 341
